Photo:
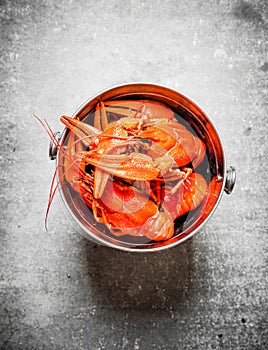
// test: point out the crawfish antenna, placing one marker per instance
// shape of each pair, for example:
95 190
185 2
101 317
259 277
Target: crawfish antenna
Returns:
49 131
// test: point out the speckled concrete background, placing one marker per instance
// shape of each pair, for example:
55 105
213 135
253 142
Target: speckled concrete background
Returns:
59 291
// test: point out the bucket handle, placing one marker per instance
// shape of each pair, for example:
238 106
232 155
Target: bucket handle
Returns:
230 179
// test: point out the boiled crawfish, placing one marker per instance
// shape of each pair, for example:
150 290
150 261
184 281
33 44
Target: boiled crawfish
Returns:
134 167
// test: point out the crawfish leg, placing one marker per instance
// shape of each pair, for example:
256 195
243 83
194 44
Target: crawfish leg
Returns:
83 131
100 181
97 117
100 118
71 169
184 174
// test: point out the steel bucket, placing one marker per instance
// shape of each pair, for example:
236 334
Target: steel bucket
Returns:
222 177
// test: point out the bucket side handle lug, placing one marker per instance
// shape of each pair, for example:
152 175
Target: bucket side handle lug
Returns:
53 150
230 179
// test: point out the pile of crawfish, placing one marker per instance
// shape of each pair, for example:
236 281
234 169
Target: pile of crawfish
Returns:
134 167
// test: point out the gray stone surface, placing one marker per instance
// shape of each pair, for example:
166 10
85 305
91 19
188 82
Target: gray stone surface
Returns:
60 291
